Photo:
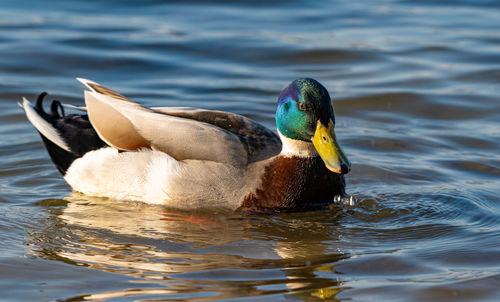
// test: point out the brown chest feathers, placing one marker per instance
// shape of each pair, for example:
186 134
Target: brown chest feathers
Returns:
294 184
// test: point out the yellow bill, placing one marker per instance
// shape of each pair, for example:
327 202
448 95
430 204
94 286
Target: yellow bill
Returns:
325 143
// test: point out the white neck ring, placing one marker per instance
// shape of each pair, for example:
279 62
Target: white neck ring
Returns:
295 147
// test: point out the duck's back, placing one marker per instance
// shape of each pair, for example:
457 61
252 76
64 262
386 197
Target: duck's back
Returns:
259 141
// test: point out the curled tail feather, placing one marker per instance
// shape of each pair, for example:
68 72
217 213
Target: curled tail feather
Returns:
66 137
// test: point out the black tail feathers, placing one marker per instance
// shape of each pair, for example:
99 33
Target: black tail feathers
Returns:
75 130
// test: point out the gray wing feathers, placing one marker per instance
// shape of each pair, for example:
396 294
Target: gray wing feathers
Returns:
94 87
128 126
182 132
259 141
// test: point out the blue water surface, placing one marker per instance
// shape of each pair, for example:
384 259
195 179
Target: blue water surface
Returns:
416 95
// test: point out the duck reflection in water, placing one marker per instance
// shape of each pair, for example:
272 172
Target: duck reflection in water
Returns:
180 253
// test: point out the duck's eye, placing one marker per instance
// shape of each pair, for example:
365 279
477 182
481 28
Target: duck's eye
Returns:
302 106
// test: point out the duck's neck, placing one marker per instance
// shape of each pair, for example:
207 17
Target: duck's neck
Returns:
295 147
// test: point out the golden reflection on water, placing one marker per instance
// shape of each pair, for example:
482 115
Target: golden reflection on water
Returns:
200 256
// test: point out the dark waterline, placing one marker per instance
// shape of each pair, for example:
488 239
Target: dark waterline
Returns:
415 91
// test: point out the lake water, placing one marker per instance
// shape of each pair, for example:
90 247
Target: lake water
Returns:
415 89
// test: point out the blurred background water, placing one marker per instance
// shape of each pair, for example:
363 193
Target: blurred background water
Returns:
415 88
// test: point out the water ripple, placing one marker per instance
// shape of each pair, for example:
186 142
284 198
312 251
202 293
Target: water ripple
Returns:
415 93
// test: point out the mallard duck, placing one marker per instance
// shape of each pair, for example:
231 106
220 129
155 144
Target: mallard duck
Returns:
195 158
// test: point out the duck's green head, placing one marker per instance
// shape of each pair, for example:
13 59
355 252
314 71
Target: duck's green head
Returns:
305 113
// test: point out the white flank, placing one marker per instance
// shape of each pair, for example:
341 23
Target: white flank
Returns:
108 173
155 177
43 126
295 147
